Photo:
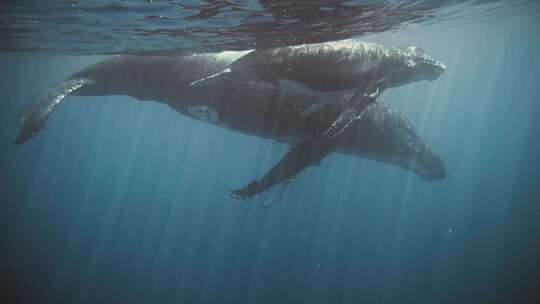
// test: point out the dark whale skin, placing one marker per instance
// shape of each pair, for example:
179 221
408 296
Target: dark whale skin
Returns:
255 108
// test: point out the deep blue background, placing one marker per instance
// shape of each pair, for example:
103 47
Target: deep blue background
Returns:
118 201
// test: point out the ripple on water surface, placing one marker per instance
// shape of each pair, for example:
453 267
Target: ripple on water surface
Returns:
138 27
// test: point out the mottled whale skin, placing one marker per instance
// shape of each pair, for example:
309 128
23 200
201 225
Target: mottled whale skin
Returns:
335 67
255 108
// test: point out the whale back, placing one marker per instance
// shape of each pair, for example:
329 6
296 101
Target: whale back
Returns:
146 77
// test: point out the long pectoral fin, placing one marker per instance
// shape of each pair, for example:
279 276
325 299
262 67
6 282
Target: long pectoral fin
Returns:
316 107
353 111
350 114
211 77
300 156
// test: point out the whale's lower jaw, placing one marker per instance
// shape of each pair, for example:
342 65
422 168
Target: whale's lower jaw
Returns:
426 172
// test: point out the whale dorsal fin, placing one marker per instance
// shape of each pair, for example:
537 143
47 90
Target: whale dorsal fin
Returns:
306 153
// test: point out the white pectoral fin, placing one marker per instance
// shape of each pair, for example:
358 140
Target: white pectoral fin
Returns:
315 107
357 104
208 78
348 116
297 158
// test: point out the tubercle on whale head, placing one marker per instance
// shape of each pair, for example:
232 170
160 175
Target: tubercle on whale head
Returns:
385 135
425 66
419 156
414 65
426 164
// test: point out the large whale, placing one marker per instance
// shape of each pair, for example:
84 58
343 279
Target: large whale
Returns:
256 108
333 68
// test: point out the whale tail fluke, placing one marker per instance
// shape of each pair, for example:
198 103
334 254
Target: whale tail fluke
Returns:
211 77
35 115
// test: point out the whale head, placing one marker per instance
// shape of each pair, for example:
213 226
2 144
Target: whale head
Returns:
409 149
415 65
429 165
412 153
383 134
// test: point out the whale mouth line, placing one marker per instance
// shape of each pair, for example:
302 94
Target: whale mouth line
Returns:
434 63
432 67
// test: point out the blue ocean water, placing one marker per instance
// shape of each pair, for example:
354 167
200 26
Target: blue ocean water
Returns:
120 201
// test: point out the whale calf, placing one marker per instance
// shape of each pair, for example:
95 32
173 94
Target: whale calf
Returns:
364 67
256 108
